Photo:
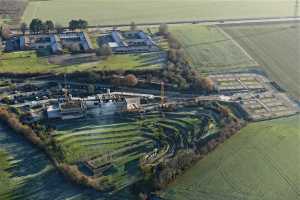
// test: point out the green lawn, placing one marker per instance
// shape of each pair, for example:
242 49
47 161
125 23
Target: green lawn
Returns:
89 138
29 62
6 184
209 48
99 12
260 163
81 144
276 49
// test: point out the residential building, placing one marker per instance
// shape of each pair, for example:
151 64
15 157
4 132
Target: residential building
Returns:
53 42
129 42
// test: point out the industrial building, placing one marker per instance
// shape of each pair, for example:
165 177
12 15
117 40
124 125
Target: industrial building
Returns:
129 42
102 104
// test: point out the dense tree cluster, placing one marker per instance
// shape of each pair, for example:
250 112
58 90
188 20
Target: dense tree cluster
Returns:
72 172
13 122
78 24
133 26
104 51
178 70
129 80
38 26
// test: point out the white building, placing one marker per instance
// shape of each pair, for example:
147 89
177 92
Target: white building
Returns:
130 42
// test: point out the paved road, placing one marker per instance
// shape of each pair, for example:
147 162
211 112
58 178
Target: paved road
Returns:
201 22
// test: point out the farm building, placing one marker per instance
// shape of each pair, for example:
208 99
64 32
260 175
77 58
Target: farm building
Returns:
54 42
129 42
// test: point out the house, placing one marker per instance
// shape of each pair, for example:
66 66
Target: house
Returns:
14 44
79 38
129 42
38 42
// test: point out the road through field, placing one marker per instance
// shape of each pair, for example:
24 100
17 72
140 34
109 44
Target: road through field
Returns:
238 45
276 48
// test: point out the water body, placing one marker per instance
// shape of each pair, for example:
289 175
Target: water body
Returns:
36 177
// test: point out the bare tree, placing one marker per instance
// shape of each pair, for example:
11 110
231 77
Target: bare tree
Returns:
23 28
207 84
131 80
133 26
163 29
104 50
59 28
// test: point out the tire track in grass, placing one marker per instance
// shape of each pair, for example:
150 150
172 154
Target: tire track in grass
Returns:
277 169
237 45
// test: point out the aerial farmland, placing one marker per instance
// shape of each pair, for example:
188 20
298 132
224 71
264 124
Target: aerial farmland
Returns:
280 59
149 100
209 48
247 167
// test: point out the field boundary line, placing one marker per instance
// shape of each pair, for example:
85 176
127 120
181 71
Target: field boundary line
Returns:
237 44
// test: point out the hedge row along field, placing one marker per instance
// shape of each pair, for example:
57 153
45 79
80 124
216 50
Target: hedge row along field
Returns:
276 49
99 12
208 48
260 162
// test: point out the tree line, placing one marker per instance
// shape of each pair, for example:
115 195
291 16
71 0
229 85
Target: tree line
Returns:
178 69
37 26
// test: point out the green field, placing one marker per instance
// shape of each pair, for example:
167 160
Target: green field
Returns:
6 184
260 163
123 141
99 12
29 62
276 49
209 48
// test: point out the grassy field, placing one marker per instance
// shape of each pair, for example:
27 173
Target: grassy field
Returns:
30 175
260 163
98 138
209 48
29 62
125 140
276 49
6 184
99 12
